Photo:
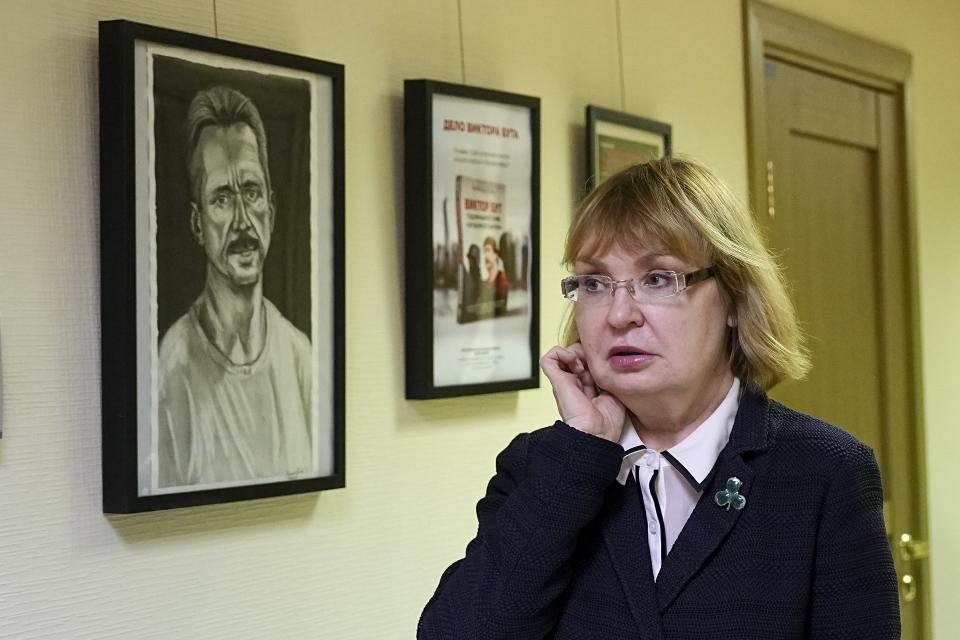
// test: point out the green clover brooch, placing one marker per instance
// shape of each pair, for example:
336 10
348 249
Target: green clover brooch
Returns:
731 497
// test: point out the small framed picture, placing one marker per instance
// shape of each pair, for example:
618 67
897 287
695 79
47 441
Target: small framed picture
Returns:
221 270
617 140
472 240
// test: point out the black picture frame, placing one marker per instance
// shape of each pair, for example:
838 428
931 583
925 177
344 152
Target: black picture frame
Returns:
472 158
616 140
279 411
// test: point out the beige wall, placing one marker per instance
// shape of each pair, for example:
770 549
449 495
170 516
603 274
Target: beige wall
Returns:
361 562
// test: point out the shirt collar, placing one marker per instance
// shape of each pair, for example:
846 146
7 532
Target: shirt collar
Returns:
695 455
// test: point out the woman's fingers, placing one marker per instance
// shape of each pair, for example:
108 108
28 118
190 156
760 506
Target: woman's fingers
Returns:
582 405
583 374
564 369
587 385
559 361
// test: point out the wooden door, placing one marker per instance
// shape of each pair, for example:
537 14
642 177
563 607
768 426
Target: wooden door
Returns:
835 216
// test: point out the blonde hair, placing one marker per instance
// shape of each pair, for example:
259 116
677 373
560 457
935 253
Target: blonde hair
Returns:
680 206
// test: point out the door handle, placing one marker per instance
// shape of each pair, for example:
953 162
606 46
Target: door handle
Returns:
911 549
908 588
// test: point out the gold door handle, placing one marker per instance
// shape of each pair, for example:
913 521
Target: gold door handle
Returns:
908 588
911 549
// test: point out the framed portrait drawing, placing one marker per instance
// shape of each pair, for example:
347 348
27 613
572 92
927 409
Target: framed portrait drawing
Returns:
221 270
472 159
617 140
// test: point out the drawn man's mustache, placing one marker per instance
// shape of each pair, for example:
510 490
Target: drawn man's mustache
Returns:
244 243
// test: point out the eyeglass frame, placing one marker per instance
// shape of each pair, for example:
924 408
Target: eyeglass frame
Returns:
682 280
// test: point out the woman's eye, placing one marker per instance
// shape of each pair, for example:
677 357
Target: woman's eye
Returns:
658 280
593 285
251 194
222 199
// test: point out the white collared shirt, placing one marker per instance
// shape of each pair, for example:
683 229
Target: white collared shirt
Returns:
671 482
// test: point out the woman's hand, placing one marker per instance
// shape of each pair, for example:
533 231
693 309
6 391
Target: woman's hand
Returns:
581 404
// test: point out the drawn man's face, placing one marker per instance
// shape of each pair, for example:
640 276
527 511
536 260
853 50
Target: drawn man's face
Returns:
234 219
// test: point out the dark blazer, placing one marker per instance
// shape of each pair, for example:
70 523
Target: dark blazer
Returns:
561 552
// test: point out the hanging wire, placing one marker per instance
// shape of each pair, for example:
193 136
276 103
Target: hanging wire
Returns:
623 90
463 61
216 25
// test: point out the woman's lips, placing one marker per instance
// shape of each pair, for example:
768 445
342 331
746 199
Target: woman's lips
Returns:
628 358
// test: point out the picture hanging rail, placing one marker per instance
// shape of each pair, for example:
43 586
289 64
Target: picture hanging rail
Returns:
222 281
472 240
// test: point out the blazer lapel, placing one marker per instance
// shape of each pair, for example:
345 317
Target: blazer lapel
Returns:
706 529
623 533
709 524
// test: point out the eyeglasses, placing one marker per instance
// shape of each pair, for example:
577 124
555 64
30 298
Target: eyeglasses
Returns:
595 291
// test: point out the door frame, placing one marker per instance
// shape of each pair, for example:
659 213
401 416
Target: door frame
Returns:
774 32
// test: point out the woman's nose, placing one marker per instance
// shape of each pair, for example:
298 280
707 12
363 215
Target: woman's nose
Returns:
624 310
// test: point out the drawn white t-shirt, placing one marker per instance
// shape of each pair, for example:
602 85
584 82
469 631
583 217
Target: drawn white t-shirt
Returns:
222 422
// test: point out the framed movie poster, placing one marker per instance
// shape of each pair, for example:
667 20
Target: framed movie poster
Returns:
221 270
472 240
617 140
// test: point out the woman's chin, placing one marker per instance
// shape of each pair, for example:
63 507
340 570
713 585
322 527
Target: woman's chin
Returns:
628 383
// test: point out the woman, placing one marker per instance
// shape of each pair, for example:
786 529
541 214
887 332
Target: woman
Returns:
674 499
497 283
